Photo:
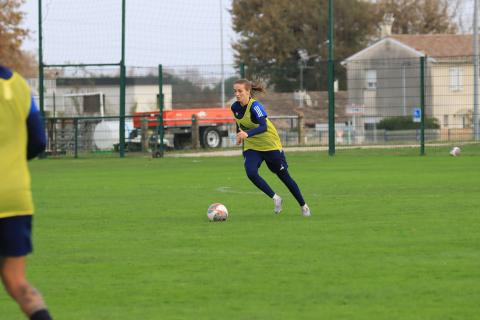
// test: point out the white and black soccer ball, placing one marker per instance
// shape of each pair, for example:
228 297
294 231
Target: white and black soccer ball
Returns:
217 212
455 151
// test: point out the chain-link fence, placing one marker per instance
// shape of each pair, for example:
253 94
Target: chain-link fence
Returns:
390 103
385 99
377 103
99 136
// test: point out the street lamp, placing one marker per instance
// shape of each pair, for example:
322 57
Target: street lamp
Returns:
302 65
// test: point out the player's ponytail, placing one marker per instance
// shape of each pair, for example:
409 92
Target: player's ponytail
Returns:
257 87
252 86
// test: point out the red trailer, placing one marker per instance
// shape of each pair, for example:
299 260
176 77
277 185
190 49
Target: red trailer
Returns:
213 123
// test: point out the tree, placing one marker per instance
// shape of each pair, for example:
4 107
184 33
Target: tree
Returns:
12 36
420 16
281 40
278 38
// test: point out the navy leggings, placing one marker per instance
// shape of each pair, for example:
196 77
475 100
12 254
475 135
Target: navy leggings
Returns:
277 163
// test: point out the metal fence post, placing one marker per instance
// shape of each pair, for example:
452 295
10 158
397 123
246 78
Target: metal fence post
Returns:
195 132
161 102
331 80
144 133
75 132
123 84
50 134
300 128
422 106
157 148
162 127
41 70
121 126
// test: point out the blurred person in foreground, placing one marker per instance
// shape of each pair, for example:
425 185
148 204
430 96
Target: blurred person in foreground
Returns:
22 138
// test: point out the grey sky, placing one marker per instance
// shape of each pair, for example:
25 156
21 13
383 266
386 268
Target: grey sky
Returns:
173 32
180 32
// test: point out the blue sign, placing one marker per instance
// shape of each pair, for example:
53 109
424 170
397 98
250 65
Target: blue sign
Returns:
417 115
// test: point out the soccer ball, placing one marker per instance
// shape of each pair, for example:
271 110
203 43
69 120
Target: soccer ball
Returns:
455 151
217 212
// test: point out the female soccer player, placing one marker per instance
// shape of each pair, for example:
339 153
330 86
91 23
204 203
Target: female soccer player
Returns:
21 138
261 143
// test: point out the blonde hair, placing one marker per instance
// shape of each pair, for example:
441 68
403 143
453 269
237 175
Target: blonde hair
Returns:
252 86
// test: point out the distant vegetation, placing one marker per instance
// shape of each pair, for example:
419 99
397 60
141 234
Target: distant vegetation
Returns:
406 123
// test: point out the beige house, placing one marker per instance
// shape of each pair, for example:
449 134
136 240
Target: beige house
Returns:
383 79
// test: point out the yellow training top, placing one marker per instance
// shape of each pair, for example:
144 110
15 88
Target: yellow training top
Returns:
265 141
15 193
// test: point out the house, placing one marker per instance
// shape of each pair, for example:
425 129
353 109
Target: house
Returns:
383 79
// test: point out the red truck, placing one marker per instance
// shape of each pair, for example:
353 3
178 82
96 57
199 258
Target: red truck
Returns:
213 124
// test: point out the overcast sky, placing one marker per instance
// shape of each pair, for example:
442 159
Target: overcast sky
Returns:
170 32
173 33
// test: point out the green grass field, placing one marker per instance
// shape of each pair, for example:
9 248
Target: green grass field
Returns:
390 237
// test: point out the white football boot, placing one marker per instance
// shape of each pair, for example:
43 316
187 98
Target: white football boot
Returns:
277 202
306 211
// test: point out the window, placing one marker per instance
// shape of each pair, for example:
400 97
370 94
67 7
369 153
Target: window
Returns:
445 120
456 79
371 79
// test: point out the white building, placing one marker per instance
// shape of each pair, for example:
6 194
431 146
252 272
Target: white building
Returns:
101 96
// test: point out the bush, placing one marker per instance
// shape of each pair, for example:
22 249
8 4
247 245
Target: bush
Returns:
406 123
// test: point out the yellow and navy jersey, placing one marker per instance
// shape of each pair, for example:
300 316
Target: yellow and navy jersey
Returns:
21 137
253 119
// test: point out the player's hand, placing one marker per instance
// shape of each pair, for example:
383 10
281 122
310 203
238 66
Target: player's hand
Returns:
241 135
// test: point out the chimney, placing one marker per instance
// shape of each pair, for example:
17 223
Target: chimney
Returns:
386 25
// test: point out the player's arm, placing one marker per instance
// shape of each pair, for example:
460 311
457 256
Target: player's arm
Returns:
258 115
37 141
232 108
237 127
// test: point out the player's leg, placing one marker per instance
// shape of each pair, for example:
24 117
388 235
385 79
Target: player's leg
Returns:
253 161
277 163
13 273
15 244
295 190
